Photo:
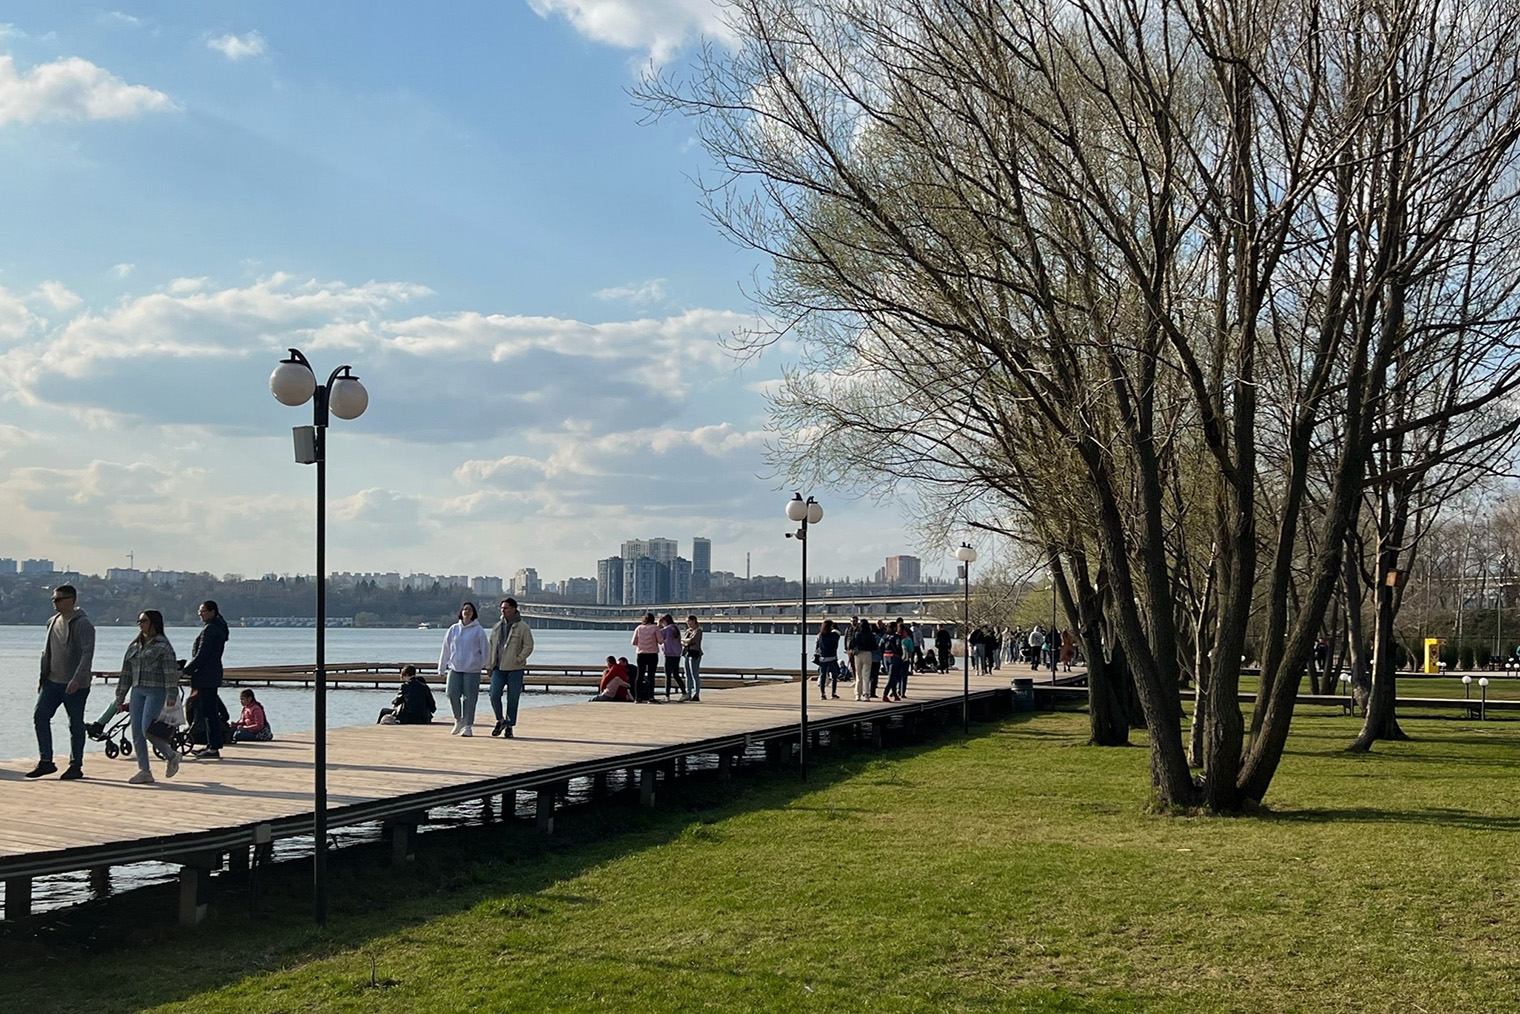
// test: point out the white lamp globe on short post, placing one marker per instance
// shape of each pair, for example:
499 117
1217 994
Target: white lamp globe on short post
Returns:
804 512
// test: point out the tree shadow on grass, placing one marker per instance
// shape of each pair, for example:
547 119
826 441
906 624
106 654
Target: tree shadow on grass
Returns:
124 954
1440 816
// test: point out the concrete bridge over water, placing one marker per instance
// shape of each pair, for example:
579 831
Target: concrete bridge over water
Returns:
768 616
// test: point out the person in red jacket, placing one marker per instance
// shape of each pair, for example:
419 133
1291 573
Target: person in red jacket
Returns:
614 685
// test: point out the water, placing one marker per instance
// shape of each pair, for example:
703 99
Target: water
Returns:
290 708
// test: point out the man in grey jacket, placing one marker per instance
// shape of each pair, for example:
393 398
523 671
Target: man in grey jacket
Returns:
67 656
511 644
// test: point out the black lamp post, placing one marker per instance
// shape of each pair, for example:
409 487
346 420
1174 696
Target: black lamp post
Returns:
293 383
804 512
967 556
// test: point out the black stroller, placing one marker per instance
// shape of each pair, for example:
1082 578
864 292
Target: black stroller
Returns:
116 734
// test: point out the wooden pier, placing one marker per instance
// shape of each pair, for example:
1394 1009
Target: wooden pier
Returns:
216 812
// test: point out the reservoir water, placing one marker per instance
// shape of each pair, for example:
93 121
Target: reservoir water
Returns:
290 709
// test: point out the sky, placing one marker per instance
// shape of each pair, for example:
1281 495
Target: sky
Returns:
458 200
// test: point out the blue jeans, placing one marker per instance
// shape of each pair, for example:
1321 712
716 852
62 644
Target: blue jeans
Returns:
145 705
827 668
512 681
49 696
464 691
694 674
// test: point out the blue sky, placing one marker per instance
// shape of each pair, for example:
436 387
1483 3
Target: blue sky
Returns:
456 198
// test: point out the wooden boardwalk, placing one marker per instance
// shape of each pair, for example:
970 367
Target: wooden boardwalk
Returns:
394 774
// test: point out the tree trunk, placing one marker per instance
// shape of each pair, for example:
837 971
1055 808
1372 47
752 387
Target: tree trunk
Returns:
1107 711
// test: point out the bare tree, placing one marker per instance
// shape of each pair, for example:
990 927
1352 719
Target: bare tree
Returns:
1129 245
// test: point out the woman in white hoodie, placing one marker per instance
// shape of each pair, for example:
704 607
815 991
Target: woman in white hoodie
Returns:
465 648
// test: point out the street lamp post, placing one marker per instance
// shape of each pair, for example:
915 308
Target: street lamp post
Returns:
293 383
1054 645
804 512
967 556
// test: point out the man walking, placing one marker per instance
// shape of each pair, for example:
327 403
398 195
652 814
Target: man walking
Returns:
67 656
511 644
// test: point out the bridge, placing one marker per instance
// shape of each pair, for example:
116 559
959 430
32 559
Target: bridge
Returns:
768 616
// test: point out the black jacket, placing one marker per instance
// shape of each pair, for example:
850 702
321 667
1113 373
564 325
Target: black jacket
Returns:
205 665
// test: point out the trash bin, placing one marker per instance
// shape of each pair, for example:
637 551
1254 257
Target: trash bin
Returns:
1023 693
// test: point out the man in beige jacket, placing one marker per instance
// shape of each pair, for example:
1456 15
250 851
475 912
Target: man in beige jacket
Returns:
511 644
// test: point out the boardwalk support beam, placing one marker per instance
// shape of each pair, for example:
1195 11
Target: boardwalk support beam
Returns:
544 809
18 897
646 786
194 880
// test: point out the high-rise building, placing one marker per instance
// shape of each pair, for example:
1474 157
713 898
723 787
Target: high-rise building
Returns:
37 567
701 563
646 581
680 580
609 581
526 582
580 589
7 565
486 587
902 570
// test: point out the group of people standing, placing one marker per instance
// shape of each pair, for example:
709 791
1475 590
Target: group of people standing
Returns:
148 689
679 646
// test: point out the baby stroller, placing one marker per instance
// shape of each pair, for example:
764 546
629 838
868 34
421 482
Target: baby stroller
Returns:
164 733
115 734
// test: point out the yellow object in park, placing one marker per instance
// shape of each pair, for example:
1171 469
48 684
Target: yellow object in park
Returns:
1432 654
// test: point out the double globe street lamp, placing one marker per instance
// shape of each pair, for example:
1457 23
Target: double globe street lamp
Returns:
967 556
293 383
804 512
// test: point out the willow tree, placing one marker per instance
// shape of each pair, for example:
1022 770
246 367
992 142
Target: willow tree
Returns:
1022 239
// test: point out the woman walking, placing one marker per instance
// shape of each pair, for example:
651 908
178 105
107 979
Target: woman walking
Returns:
670 648
691 649
465 648
149 672
826 654
897 666
646 644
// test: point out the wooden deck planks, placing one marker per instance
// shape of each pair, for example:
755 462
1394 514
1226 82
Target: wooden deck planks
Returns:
264 782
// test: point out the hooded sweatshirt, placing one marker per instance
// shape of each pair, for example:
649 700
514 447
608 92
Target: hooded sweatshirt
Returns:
465 648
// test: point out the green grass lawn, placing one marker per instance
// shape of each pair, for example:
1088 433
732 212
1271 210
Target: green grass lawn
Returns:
1014 871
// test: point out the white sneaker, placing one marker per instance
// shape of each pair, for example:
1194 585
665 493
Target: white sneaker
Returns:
468 730
172 767
458 727
686 697
141 778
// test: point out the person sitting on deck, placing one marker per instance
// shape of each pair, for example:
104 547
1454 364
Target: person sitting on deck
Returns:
614 686
414 705
253 725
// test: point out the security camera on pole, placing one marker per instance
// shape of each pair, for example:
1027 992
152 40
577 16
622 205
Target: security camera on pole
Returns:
293 383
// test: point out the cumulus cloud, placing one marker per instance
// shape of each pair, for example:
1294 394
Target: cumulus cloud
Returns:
238 47
58 296
658 27
71 89
123 269
637 293
209 349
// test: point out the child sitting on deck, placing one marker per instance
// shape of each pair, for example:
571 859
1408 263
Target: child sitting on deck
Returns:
253 725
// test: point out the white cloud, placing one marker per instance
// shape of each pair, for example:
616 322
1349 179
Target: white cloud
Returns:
58 296
123 269
637 293
71 89
658 27
123 18
238 47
